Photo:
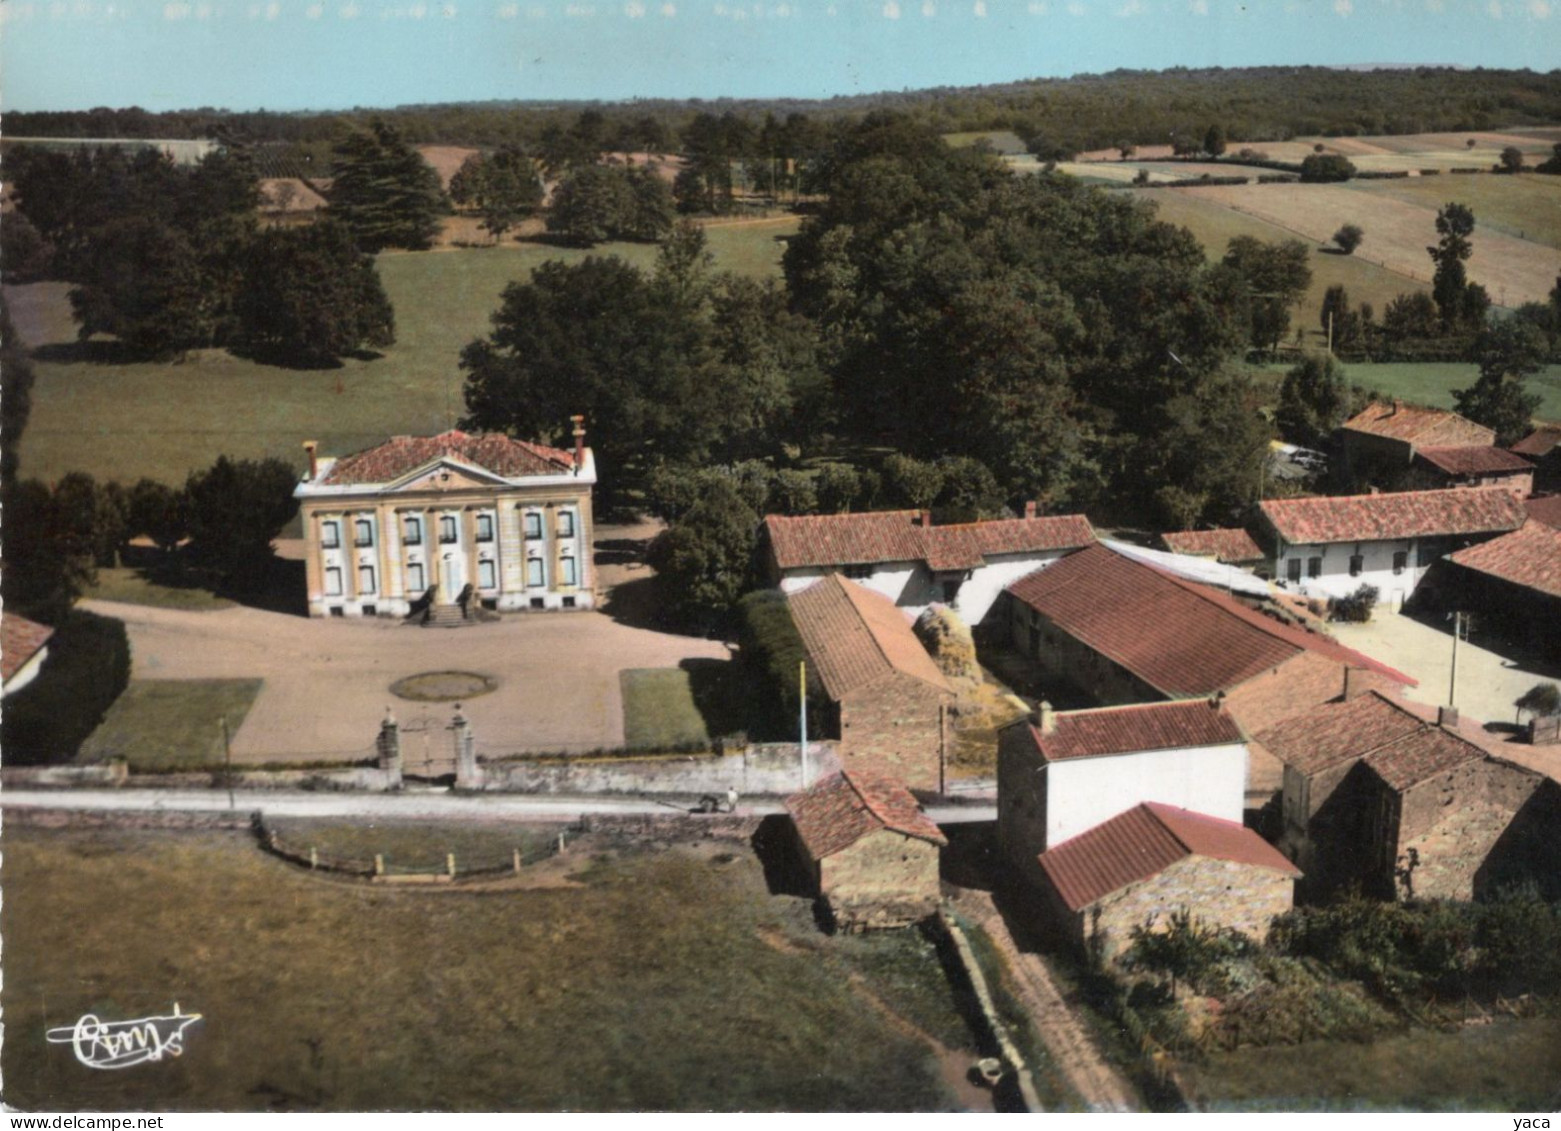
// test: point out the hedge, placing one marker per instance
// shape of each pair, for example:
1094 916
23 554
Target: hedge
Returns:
769 650
87 668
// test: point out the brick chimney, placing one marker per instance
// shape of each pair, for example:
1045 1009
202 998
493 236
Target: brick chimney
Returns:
1045 718
1447 718
579 435
1030 508
1398 406
923 519
313 446
1355 683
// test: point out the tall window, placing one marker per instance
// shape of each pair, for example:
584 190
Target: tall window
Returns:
1400 560
1293 569
412 530
332 581
365 579
1357 564
363 532
485 528
487 575
533 524
566 568
566 524
415 585
447 528
330 534
535 576
1314 567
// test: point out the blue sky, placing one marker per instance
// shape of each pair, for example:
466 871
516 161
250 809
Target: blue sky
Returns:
324 54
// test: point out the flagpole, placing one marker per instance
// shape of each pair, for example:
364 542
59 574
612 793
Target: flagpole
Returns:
802 682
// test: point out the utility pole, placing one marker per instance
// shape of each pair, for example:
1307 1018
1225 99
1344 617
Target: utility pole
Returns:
1452 682
802 683
227 759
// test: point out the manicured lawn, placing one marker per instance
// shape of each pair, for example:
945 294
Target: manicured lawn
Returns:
167 723
671 981
134 587
164 420
1432 383
659 711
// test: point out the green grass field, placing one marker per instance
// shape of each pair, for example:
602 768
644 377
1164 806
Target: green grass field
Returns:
1432 383
163 724
135 587
164 420
1527 207
670 981
659 711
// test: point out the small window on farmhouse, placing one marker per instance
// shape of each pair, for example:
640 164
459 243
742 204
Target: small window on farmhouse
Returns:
566 524
332 581
1314 567
858 572
412 531
485 528
1357 564
533 524
535 574
365 579
487 576
363 532
1293 569
1424 555
1400 560
447 528
330 534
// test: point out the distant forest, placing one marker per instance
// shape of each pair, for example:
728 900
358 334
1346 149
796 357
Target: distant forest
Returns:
1079 113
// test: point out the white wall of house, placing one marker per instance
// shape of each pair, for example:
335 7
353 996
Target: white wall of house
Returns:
26 673
977 595
1377 566
913 587
1083 792
895 580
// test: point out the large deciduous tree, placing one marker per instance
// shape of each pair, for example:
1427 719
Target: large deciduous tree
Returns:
1313 401
236 508
1509 350
1276 276
503 187
1462 304
384 192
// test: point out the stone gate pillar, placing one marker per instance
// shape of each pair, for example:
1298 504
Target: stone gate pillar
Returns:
388 746
468 775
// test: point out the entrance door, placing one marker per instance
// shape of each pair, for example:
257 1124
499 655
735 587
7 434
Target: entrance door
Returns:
453 575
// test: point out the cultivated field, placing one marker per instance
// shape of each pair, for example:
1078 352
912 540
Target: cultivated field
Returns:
668 981
1398 232
1527 207
163 420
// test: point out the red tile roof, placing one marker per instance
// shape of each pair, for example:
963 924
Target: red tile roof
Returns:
894 536
20 640
1402 514
491 451
1144 841
1397 743
856 637
1417 425
1544 508
1539 442
1231 546
1530 556
1181 638
1474 461
1144 726
838 811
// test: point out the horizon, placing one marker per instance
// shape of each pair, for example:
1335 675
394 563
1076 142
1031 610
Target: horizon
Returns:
310 56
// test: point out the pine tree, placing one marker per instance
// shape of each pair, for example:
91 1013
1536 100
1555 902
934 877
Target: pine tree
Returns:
384 192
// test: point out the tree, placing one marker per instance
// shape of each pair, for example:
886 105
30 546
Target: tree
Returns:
1214 140
704 561
1540 700
236 509
1512 159
145 283
16 385
159 512
1508 351
1324 168
1551 164
384 192
1276 276
1313 401
49 556
309 296
1349 238
1450 282
503 187
1411 315
25 256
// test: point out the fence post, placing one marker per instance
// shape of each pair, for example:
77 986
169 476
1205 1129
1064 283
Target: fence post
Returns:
379 864
314 857
449 863
517 861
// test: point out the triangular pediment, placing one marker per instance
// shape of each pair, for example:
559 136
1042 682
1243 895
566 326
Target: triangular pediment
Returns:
445 474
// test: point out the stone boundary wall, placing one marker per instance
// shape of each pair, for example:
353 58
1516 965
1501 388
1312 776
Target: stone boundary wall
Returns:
235 820
769 770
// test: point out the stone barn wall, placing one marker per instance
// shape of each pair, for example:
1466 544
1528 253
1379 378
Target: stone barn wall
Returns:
896 727
885 879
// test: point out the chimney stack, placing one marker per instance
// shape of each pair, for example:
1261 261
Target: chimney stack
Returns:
579 435
1045 718
1030 508
1398 406
1353 683
312 446
1447 717
924 519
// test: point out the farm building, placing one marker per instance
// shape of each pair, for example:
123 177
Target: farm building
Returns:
437 519
1435 468
1230 546
1514 580
1542 449
1330 546
1379 443
870 850
24 645
1061 773
1123 631
1404 801
1154 861
888 703
1545 509
914 563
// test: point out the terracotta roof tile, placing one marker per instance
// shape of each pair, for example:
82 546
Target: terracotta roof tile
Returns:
1539 442
1474 461
835 813
895 536
1181 638
1417 425
491 451
1530 556
856 637
1144 841
1397 743
1544 508
1402 514
20 640
1232 545
1144 726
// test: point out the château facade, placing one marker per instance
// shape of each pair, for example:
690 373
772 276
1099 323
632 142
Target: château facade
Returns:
429 516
